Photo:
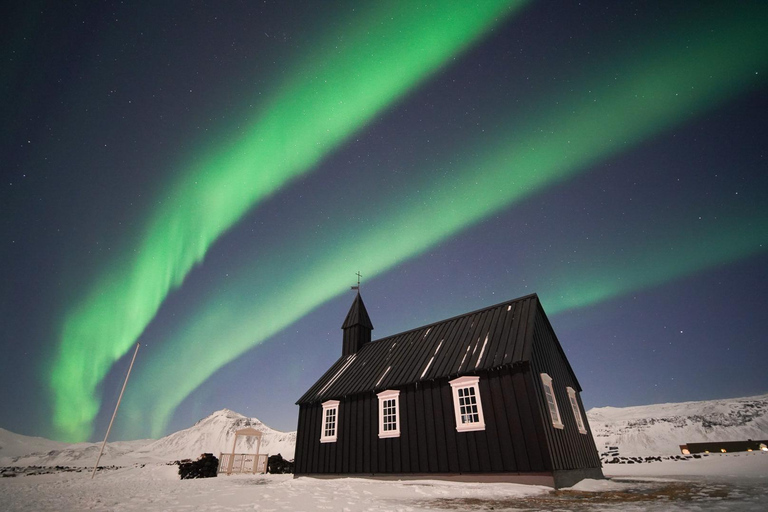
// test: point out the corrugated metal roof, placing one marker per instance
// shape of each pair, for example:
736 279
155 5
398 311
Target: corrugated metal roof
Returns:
495 336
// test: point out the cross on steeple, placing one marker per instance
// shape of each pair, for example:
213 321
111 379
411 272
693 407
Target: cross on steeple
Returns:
359 275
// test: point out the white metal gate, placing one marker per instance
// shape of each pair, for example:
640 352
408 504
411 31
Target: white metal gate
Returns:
244 462
234 463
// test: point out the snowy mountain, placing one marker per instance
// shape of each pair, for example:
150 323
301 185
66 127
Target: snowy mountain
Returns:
214 434
658 430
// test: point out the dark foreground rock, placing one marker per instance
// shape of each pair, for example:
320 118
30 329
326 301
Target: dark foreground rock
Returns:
276 464
206 466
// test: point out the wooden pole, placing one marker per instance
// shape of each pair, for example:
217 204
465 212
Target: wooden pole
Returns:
115 413
258 453
232 457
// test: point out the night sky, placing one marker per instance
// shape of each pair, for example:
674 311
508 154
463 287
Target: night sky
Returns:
206 178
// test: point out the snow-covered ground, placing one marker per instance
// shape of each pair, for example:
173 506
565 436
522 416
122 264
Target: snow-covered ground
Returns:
725 482
736 465
159 488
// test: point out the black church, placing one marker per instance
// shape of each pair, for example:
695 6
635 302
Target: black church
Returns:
485 396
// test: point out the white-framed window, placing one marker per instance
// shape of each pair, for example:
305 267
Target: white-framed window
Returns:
549 394
576 409
467 406
330 423
389 413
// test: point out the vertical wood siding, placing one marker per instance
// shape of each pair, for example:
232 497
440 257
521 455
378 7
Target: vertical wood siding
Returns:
569 448
429 442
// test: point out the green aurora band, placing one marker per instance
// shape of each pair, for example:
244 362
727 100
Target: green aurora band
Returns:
636 99
675 253
334 95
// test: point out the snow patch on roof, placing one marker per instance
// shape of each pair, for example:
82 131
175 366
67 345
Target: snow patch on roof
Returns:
482 351
383 375
464 358
338 374
431 359
477 344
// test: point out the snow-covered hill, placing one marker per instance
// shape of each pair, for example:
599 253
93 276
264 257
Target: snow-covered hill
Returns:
658 430
216 433
80 454
213 434
15 445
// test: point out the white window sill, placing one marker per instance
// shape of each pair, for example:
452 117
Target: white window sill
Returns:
328 439
470 427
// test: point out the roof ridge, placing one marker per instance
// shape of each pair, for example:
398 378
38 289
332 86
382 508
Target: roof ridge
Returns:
456 317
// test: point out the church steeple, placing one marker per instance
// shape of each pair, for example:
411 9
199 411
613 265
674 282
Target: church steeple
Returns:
357 327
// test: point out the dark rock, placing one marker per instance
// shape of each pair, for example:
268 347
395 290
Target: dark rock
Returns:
277 464
206 466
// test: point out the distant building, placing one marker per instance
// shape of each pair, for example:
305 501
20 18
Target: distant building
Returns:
485 396
724 447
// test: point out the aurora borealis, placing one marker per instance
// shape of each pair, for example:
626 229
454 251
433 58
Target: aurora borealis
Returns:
605 157
311 114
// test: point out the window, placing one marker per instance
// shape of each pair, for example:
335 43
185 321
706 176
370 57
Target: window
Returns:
549 393
330 424
576 409
389 413
467 406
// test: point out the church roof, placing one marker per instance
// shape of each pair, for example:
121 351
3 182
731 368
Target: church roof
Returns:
357 315
489 338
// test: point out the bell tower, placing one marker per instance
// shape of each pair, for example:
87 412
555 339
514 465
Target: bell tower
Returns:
357 327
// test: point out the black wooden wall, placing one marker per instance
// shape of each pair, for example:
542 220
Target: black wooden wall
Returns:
569 448
513 441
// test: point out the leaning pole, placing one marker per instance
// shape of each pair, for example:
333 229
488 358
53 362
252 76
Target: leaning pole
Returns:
115 413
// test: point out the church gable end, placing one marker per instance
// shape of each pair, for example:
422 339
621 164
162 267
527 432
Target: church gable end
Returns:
570 442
